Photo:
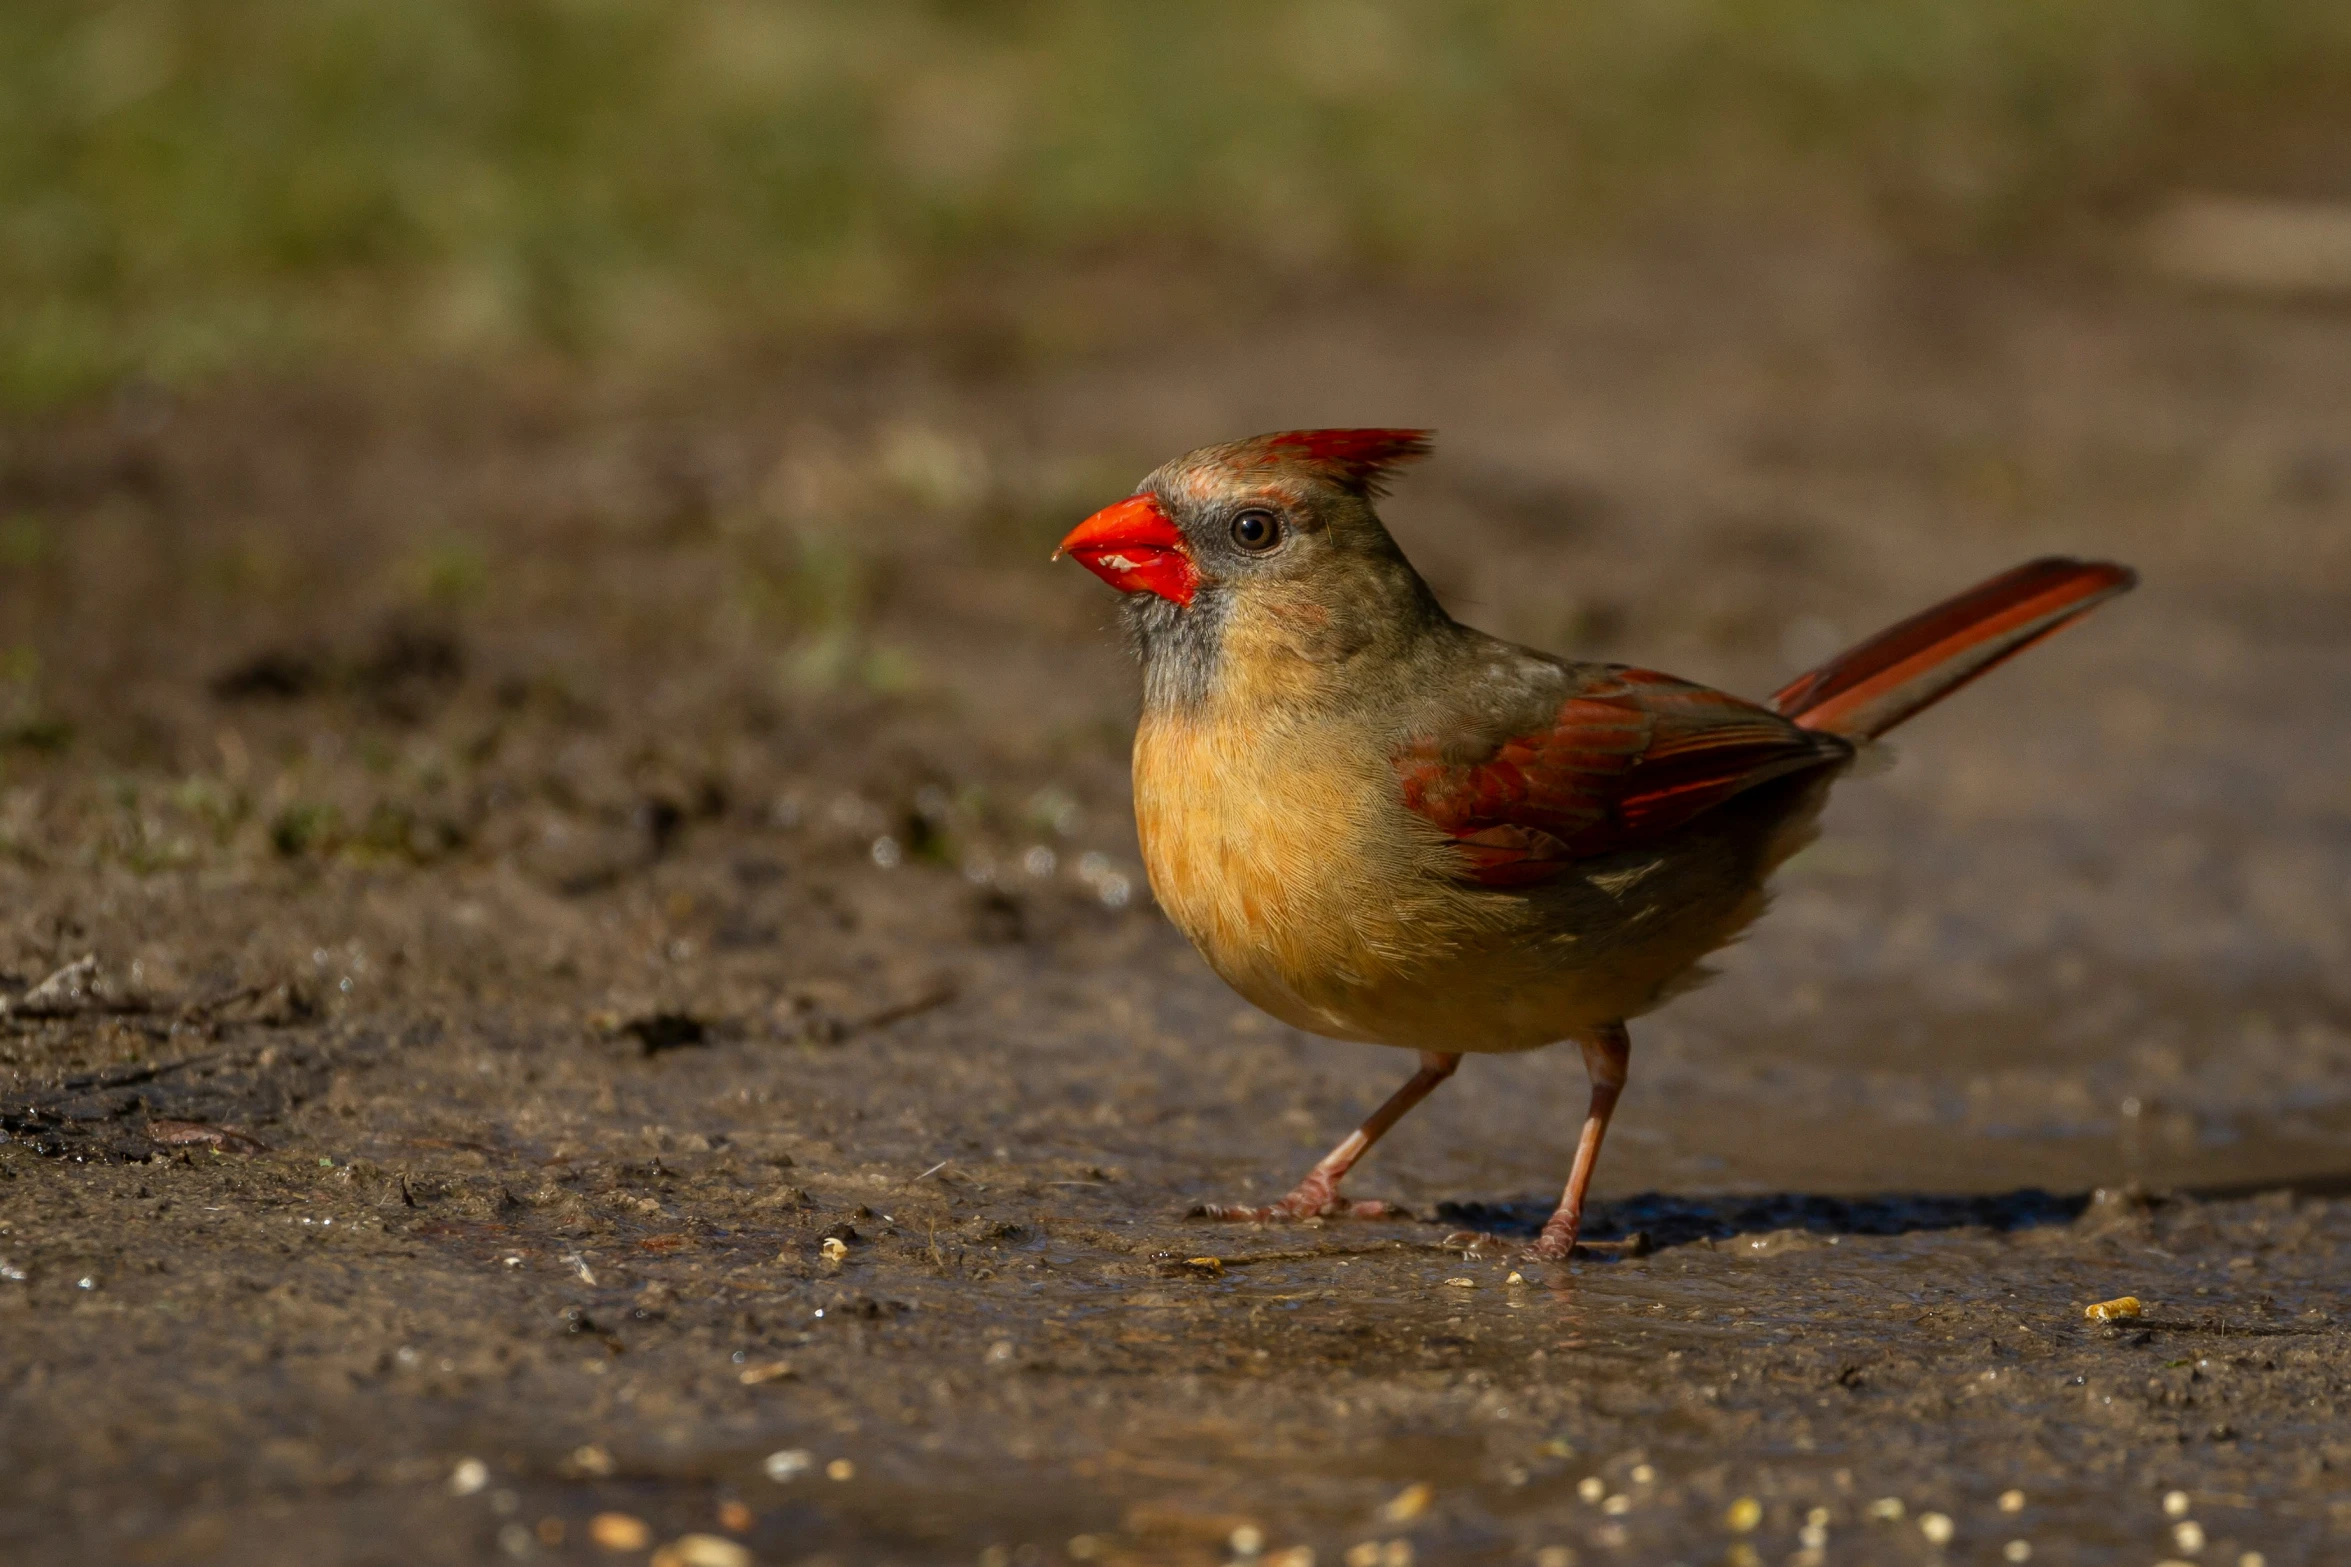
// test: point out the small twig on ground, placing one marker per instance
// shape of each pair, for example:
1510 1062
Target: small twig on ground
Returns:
941 992
2214 1325
182 1134
100 1082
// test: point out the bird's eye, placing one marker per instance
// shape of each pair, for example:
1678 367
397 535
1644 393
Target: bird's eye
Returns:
1257 531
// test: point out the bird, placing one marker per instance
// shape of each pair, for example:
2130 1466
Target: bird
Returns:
1381 825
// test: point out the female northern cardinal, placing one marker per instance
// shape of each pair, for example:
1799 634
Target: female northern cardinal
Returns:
1378 824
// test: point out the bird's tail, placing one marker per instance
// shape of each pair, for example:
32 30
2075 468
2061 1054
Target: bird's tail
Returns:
1867 690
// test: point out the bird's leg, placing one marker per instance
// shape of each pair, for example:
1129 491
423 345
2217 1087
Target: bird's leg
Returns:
1317 1196
1605 1055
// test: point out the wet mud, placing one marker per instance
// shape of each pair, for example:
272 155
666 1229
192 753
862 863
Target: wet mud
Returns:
571 955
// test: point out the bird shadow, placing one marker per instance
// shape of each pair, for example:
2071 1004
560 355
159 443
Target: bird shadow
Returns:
1667 1219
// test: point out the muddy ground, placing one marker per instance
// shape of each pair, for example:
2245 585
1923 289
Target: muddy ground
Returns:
554 857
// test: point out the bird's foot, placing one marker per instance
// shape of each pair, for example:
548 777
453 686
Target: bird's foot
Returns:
1560 1245
1312 1200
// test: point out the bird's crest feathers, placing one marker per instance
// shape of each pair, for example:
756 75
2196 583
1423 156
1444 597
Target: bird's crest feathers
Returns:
1359 461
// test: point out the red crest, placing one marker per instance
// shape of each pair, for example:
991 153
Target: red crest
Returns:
1357 460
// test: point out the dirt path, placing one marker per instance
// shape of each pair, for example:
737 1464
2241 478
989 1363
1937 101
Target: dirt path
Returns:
553 864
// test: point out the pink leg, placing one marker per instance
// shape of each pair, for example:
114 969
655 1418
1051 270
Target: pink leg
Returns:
1605 1056
1317 1196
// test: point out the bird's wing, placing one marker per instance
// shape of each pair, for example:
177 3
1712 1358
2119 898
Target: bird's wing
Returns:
1611 760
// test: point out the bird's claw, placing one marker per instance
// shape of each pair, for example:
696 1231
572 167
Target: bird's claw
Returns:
1553 1247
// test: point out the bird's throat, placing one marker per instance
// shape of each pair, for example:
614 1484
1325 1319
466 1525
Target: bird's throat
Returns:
1179 646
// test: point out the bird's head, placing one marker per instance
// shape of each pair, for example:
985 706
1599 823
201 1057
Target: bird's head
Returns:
1265 550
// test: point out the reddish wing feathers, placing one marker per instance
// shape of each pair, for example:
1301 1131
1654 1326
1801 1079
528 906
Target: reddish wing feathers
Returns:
1636 754
1867 690
1711 747
1519 812
1356 460
1624 761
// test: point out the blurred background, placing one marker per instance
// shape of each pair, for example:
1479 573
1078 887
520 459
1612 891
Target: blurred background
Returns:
727 218
260 187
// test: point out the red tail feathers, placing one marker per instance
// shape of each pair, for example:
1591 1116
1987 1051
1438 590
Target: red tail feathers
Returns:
1867 690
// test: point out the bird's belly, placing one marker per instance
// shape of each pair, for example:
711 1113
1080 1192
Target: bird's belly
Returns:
1307 889
1267 855
1294 870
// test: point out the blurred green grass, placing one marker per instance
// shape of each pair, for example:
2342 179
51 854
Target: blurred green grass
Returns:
195 186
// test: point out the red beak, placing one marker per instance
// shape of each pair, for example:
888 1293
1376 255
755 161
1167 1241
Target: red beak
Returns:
1135 548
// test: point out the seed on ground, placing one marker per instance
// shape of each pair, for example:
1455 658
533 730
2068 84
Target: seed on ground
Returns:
2012 1501
2188 1535
1888 1508
840 1469
1617 1506
619 1532
1591 1488
2017 1551
1247 1540
734 1518
2114 1310
708 1550
1409 1503
1937 1527
789 1464
470 1475
2175 1504
1744 1515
